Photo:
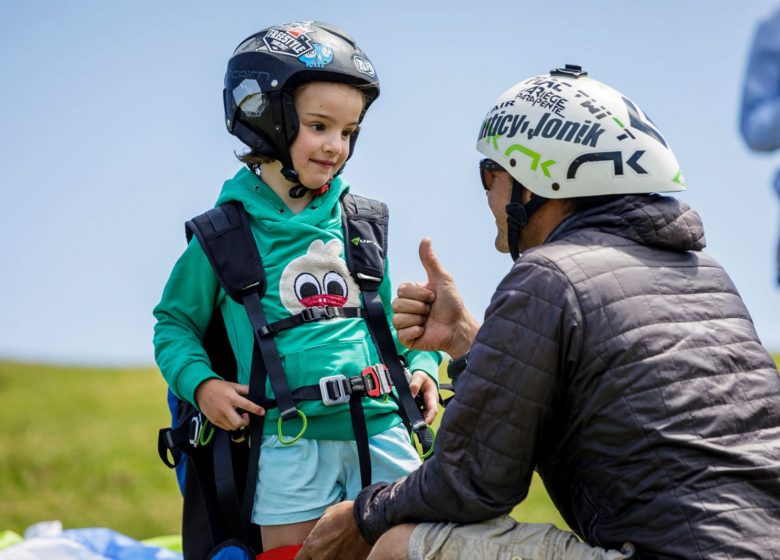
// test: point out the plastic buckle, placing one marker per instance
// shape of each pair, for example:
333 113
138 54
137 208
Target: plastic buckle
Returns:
310 314
377 380
335 385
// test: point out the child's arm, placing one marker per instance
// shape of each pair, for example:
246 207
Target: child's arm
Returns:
190 297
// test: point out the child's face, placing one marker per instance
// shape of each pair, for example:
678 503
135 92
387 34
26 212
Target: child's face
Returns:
328 114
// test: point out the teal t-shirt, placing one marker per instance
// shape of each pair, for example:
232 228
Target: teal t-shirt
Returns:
303 258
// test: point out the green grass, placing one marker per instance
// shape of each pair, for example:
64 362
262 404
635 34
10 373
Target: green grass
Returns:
80 445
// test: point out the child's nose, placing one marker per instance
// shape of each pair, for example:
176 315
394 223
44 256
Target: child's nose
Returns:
333 144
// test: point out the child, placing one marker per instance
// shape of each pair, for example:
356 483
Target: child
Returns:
295 94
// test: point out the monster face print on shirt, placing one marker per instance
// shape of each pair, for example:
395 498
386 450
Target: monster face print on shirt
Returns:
317 279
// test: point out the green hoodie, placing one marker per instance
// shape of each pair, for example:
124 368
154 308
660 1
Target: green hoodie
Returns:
302 253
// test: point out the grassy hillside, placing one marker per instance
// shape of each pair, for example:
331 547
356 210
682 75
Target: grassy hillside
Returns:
79 445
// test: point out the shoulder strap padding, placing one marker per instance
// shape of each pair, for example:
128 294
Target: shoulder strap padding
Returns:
365 232
226 239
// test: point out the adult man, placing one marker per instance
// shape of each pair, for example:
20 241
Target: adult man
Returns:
615 358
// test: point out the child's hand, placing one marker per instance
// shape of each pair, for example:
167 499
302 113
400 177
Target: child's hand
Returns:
422 384
218 400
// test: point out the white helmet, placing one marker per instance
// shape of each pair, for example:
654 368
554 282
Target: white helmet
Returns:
564 135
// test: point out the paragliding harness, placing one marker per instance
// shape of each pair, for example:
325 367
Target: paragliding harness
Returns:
221 467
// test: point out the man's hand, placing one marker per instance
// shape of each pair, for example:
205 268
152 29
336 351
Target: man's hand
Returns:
335 536
422 384
432 316
218 400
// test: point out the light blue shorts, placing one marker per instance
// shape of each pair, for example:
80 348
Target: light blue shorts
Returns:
298 482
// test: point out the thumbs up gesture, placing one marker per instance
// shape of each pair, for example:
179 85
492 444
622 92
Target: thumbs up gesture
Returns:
431 315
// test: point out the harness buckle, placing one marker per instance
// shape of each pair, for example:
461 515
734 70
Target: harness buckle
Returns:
377 380
310 314
334 390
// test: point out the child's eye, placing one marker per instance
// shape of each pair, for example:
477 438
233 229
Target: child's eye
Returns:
319 127
347 133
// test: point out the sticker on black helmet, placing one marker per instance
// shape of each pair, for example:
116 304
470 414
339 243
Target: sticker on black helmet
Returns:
364 66
318 57
290 39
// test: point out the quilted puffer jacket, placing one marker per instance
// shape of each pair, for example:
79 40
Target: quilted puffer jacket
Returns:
621 363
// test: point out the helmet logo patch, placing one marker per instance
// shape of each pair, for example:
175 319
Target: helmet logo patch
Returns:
364 66
615 157
639 123
535 157
317 57
586 133
290 39
545 94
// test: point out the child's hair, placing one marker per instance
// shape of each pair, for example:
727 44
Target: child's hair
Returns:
253 159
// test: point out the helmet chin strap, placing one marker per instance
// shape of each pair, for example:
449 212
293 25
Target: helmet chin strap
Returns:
298 190
517 216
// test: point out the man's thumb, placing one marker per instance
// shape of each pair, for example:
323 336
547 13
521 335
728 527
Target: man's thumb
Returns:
433 267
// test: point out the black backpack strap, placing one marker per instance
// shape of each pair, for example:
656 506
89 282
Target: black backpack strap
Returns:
365 229
226 239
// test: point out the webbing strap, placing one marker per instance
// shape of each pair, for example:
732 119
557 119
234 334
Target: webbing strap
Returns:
377 324
270 356
256 394
227 494
311 314
361 439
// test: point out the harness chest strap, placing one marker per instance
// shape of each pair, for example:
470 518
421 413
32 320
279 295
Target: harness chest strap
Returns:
309 315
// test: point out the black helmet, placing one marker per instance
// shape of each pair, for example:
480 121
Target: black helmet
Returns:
266 68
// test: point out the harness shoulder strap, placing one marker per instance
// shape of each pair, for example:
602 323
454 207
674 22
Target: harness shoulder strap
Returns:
365 229
226 239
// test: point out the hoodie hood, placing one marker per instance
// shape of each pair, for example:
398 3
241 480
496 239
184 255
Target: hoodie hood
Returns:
263 203
653 220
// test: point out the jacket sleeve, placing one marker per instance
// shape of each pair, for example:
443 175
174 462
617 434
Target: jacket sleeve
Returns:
760 115
493 432
415 359
183 314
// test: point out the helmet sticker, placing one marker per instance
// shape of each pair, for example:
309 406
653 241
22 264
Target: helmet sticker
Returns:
586 133
317 57
363 65
289 39
615 157
545 94
535 157
639 123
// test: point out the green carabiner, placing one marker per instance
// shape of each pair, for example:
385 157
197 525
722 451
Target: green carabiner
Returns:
302 416
433 438
206 440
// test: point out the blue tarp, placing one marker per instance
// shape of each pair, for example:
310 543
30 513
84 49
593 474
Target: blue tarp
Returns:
85 544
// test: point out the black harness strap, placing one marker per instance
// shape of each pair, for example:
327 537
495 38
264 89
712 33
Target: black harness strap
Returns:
227 241
311 314
365 226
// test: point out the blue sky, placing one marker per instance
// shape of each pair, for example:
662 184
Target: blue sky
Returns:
112 135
